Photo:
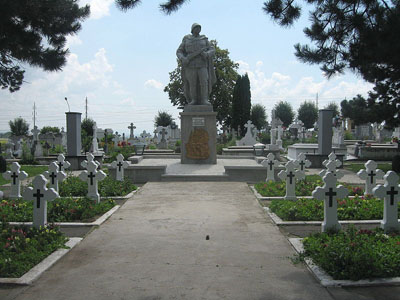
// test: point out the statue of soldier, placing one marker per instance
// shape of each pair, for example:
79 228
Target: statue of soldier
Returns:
198 75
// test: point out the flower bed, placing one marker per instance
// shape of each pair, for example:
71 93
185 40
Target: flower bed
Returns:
74 187
355 254
22 248
357 208
59 210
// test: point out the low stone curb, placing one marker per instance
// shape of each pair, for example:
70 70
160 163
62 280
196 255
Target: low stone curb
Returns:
122 197
34 273
327 281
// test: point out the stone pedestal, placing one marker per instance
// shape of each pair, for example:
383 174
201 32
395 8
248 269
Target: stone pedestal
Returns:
198 135
325 117
74 143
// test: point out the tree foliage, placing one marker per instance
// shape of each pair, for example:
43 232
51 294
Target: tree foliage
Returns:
241 103
87 133
358 110
221 94
258 116
34 32
333 106
47 129
284 111
308 114
163 118
19 127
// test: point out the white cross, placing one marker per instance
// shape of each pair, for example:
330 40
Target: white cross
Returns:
15 175
290 175
329 193
119 165
89 157
332 157
249 125
116 139
92 176
39 194
270 163
54 175
62 163
302 162
131 128
370 174
331 168
390 192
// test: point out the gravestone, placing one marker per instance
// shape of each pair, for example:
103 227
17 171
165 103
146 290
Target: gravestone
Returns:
40 195
1 195
131 127
280 132
325 117
63 138
332 157
95 144
248 139
271 163
35 133
120 165
290 174
74 143
116 139
329 193
38 149
54 175
92 176
370 174
163 142
331 167
390 192
62 163
16 176
89 157
302 162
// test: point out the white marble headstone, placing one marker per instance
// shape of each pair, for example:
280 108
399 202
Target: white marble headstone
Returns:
92 176
370 174
120 165
290 174
54 175
16 176
271 163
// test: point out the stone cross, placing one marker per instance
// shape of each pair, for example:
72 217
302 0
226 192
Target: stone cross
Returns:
302 162
95 145
390 192
39 194
370 174
62 163
15 175
116 139
290 175
131 128
332 157
89 157
92 176
54 175
120 165
35 131
329 193
270 163
331 168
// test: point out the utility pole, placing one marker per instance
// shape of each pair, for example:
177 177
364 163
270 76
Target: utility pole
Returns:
34 115
316 100
86 109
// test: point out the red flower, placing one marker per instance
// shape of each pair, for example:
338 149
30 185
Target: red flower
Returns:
7 245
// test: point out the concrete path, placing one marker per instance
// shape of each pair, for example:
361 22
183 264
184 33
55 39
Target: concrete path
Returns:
155 247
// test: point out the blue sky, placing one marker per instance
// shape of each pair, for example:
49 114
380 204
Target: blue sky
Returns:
120 61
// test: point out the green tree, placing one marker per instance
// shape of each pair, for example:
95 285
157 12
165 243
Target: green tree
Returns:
241 103
308 114
47 129
34 32
284 111
357 109
19 127
258 116
163 119
333 106
221 94
87 133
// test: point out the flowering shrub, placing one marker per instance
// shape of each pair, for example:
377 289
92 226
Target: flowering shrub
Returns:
355 254
22 248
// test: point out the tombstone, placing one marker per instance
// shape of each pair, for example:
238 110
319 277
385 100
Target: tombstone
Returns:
119 165
89 157
35 133
16 176
40 195
295 127
332 157
248 139
364 131
63 138
329 193
280 133
92 176
163 142
338 137
105 148
38 152
390 192
370 174
74 142
331 167
116 139
18 148
302 162
131 127
290 174
396 133
54 175
325 131
62 163
1 195
95 145
9 151
271 163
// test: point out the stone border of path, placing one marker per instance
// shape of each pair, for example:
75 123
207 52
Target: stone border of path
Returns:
34 273
327 281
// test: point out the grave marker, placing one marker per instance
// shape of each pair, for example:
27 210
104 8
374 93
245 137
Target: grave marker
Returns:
271 163
329 193
62 163
119 165
92 176
15 175
370 174
89 157
332 157
302 162
331 168
390 192
40 195
54 175
290 175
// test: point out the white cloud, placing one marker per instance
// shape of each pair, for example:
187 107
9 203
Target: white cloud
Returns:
152 83
73 40
98 8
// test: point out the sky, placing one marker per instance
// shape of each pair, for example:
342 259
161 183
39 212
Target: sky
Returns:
120 61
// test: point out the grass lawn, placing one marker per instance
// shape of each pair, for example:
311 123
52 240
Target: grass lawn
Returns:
355 167
31 170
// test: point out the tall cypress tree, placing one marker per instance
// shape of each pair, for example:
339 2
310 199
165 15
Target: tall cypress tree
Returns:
236 104
241 103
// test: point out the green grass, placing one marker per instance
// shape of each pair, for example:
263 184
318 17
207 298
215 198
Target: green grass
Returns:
22 248
357 167
31 170
355 254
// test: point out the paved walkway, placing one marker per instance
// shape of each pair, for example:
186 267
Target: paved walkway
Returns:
155 247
